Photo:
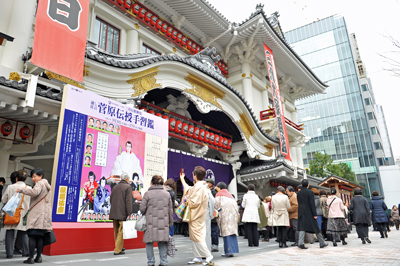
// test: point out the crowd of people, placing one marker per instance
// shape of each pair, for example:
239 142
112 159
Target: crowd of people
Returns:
306 216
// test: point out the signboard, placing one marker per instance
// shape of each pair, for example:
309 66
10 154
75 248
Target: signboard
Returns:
98 140
60 37
280 117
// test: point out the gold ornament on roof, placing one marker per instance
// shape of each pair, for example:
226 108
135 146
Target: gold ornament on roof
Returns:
270 149
246 127
15 76
86 70
144 81
204 90
72 82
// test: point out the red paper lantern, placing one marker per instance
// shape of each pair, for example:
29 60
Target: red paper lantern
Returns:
221 141
212 138
153 21
196 133
193 49
206 137
179 38
143 109
126 5
178 127
190 131
229 144
135 9
185 128
164 27
189 44
165 117
159 114
120 2
147 17
142 12
6 129
202 134
169 31
183 41
25 132
172 124
198 49
174 34
159 24
225 143
151 111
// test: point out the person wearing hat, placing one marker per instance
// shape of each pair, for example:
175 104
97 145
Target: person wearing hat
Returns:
214 225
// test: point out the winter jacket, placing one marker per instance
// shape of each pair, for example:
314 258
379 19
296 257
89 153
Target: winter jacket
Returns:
156 205
121 201
360 209
337 207
395 215
306 221
262 215
280 205
294 207
318 205
325 210
378 208
250 203
39 216
8 193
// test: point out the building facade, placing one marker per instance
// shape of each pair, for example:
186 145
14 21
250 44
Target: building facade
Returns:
337 121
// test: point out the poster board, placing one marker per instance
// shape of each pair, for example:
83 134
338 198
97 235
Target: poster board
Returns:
99 139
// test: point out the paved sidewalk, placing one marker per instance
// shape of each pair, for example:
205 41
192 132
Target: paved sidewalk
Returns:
380 252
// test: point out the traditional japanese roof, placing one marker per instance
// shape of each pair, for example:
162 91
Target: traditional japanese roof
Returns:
263 165
41 90
324 182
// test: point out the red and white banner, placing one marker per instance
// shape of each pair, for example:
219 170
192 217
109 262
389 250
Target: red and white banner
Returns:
280 117
60 37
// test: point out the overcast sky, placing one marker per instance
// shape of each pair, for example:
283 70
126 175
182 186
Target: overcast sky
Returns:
369 20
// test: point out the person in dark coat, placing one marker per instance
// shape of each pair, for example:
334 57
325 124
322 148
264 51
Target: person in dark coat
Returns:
121 208
156 205
307 221
361 215
378 208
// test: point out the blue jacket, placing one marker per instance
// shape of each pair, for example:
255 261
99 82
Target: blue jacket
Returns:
378 207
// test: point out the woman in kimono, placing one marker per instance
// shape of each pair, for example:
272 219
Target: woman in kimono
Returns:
102 194
227 220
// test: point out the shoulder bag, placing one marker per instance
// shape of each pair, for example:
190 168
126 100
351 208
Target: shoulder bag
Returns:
8 220
26 215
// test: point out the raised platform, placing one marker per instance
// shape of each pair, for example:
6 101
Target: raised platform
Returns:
82 237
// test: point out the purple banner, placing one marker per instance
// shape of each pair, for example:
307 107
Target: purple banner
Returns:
222 172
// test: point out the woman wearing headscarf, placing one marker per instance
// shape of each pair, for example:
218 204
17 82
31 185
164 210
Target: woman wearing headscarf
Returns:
227 219
280 216
250 217
336 222
378 208
361 215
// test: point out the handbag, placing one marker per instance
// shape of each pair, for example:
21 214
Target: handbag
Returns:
49 238
128 230
141 224
11 205
11 220
180 211
186 215
171 250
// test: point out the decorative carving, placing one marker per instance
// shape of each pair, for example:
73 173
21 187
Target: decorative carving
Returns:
245 126
198 150
178 105
231 157
144 81
300 141
137 26
15 76
174 49
202 106
204 90
86 70
251 152
248 51
270 149
52 75
271 127
206 59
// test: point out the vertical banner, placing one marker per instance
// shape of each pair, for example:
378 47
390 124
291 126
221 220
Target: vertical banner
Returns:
60 37
98 140
280 117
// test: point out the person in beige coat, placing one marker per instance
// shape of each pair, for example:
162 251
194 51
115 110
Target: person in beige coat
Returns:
197 200
280 216
39 216
10 229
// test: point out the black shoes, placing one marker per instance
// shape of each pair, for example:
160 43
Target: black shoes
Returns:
29 261
386 234
294 245
284 245
38 260
303 247
368 241
344 242
363 241
121 253
280 244
324 245
123 249
334 244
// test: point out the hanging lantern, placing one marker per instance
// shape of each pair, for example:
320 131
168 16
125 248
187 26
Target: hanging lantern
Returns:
135 9
142 12
120 2
179 38
193 49
25 132
198 49
183 41
229 144
189 44
169 31
153 21
172 124
225 143
143 109
159 24
178 127
212 138
164 27
216 139
206 137
159 114
202 134
151 112
6 129
165 117
221 141
147 17
174 34
190 131
185 128
196 133
127 4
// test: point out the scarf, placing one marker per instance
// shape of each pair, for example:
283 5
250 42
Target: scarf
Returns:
224 193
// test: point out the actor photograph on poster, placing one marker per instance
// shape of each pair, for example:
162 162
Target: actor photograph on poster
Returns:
89 138
88 160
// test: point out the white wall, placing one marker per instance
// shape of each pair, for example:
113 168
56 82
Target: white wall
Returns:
390 176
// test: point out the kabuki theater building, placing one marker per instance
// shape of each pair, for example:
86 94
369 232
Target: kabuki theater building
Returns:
191 88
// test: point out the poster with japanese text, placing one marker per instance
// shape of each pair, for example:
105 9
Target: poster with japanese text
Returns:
100 140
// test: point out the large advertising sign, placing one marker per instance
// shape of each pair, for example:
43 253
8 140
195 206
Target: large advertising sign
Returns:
280 117
98 140
60 37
